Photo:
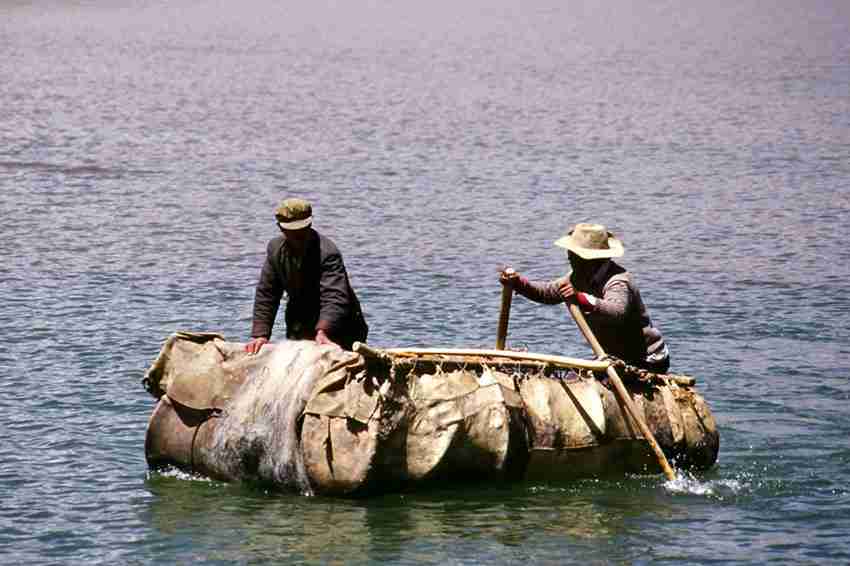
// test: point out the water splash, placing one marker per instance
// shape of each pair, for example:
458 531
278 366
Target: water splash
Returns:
686 483
175 473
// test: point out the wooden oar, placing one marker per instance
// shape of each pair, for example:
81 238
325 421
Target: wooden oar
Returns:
620 390
505 311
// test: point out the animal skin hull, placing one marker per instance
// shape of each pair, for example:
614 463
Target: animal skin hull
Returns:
321 420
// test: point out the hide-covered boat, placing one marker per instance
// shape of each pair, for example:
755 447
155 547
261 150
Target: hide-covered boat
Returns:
319 419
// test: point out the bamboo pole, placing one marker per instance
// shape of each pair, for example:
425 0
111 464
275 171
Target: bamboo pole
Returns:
560 361
620 391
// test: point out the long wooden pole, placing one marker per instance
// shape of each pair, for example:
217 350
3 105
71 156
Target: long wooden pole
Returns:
504 316
560 361
620 390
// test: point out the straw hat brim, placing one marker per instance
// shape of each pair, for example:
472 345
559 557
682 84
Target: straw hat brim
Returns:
615 248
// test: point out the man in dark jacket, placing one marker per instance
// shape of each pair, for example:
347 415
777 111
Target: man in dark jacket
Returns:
321 304
607 295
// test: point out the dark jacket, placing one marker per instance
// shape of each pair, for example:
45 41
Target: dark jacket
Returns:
319 293
620 321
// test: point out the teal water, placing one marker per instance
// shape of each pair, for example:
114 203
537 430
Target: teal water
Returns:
143 147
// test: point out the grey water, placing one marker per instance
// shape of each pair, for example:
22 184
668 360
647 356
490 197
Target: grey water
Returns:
144 145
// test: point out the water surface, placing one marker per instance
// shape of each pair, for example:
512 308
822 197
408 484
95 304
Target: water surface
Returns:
143 147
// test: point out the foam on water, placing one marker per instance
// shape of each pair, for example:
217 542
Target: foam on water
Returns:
178 474
688 484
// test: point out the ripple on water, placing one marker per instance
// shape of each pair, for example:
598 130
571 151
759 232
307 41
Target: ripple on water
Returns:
137 203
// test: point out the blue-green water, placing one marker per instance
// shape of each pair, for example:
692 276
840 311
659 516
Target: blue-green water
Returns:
143 146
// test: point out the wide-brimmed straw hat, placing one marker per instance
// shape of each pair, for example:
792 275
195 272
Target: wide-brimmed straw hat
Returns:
294 214
591 241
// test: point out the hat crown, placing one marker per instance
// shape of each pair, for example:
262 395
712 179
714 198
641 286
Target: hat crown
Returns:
591 241
293 209
591 236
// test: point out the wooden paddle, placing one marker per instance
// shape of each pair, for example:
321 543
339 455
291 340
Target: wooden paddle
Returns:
505 311
620 390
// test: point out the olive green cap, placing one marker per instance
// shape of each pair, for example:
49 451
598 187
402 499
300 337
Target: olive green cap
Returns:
294 214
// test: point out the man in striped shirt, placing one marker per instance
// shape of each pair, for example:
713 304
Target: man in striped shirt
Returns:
607 295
